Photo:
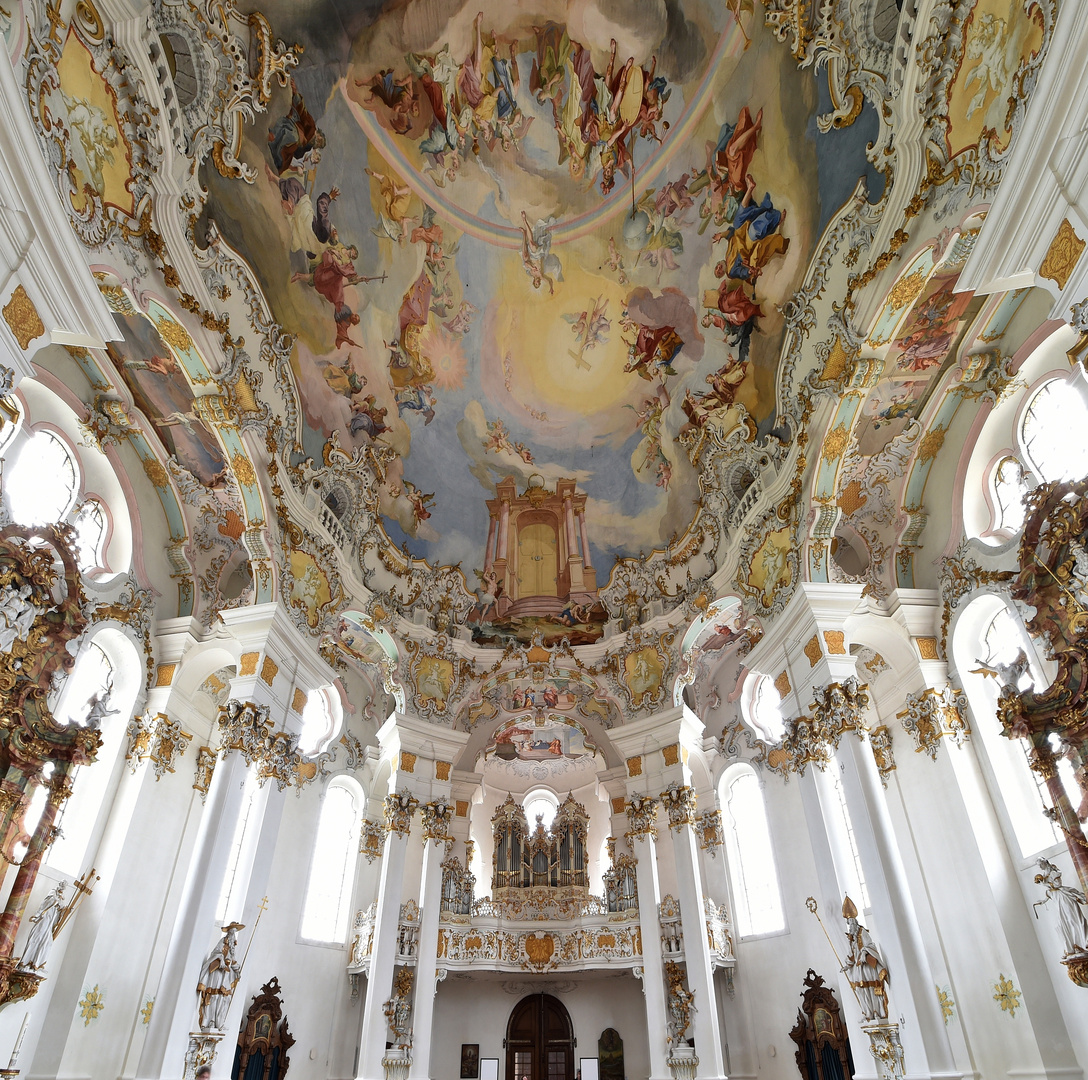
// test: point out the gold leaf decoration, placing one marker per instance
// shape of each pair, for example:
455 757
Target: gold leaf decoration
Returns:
22 317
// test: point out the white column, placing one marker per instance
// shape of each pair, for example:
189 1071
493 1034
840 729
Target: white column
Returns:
427 957
708 1041
911 980
653 983
383 957
176 1001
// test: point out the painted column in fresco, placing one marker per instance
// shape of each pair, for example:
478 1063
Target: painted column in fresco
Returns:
492 532
587 561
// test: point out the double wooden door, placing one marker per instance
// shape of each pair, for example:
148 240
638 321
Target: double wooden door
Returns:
539 1040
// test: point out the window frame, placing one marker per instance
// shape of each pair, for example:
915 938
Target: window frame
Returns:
734 861
344 782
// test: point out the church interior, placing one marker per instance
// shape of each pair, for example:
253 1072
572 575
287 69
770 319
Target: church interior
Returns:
738 725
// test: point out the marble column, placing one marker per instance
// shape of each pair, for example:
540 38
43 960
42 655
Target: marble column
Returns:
492 536
383 956
587 561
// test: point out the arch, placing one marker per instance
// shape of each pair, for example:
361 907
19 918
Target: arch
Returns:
539 1040
534 803
326 911
749 851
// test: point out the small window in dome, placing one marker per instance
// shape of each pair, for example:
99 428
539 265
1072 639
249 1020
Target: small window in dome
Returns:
542 804
41 483
317 722
1010 487
89 522
761 708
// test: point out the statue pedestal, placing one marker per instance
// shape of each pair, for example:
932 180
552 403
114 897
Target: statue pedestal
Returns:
885 1046
16 984
396 1062
203 1046
682 1062
1077 966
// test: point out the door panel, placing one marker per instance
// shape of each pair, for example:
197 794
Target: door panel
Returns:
539 1040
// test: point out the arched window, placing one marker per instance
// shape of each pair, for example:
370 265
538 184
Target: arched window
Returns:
107 663
236 877
1054 431
328 898
89 522
41 482
840 828
1010 485
757 901
761 707
540 803
90 680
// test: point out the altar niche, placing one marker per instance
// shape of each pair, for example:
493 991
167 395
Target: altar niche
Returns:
544 858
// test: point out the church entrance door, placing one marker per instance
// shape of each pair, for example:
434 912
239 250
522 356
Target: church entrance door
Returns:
539 1040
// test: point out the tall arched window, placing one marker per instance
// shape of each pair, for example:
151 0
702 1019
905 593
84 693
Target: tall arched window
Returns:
840 828
327 908
109 662
236 876
757 900
989 632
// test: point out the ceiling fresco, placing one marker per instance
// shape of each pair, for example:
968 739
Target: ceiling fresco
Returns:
534 357
530 260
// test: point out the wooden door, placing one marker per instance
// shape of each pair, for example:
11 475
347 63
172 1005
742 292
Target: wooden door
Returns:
537 560
539 1040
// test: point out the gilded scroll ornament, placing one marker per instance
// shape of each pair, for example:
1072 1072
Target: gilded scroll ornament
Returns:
1062 256
935 714
399 809
642 818
679 801
22 318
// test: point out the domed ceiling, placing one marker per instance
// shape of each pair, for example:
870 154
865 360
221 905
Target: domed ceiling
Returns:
532 259
537 349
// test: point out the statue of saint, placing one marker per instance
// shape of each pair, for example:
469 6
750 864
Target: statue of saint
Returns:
865 967
1072 908
43 923
218 978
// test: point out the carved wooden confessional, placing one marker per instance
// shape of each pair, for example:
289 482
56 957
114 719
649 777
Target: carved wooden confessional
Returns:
823 1050
554 858
264 1039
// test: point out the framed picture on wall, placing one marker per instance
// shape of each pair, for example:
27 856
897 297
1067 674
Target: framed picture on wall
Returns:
470 1061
